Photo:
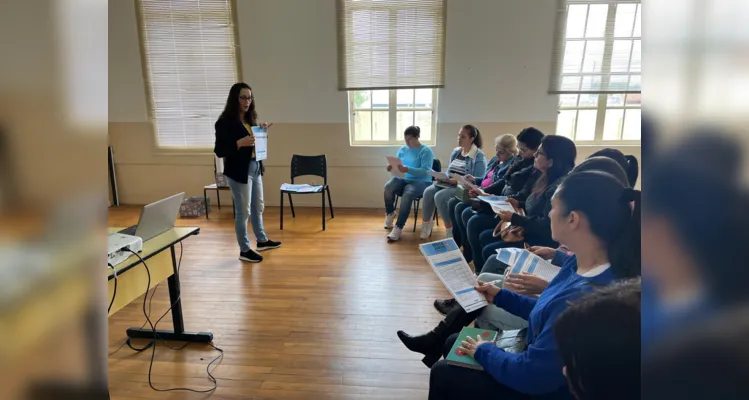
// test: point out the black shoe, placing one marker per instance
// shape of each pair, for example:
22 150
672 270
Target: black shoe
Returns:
429 345
267 245
250 256
445 306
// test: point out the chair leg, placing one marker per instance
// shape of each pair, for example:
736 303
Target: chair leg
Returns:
218 198
322 194
417 202
282 210
395 205
291 203
436 217
205 197
330 203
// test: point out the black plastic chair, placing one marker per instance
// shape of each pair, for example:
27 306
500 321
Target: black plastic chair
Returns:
314 166
437 167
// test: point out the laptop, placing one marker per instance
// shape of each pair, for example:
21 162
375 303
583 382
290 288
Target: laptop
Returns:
156 218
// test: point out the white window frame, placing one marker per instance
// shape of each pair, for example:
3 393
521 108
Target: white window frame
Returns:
395 137
602 105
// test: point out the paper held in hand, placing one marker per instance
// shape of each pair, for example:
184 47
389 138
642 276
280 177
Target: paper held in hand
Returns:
498 203
261 142
394 162
522 260
448 263
439 175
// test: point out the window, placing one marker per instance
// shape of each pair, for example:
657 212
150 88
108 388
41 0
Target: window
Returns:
597 70
391 62
381 116
190 63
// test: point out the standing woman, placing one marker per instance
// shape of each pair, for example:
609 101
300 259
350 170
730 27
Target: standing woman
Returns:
235 143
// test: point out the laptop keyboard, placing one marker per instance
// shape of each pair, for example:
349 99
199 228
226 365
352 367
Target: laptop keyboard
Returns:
129 231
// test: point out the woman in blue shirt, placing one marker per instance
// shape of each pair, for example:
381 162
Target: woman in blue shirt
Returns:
591 214
417 162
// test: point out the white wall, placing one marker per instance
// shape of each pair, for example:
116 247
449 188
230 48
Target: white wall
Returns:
498 57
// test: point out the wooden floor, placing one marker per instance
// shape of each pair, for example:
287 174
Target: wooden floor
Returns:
315 320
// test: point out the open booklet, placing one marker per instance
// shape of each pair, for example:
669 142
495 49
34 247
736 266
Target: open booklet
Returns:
448 263
439 175
522 260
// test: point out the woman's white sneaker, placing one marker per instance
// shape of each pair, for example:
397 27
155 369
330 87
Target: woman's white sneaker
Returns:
389 218
426 229
395 234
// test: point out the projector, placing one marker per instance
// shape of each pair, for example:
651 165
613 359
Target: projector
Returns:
118 243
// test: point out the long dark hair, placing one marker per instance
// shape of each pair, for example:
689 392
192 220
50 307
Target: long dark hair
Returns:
598 337
605 164
605 201
231 109
474 133
629 163
563 152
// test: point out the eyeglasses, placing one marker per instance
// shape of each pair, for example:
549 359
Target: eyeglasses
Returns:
245 98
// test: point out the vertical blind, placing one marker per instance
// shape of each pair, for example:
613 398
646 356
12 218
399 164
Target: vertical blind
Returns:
190 62
389 44
598 47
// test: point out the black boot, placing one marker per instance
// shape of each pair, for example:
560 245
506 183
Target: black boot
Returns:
428 344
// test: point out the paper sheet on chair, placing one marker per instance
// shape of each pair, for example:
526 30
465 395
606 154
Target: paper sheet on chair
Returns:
301 188
522 260
261 142
394 162
448 263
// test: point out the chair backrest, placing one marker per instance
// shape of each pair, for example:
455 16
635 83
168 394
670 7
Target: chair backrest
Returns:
437 165
309 165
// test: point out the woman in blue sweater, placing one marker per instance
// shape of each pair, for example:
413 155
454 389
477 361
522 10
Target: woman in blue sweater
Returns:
591 214
417 162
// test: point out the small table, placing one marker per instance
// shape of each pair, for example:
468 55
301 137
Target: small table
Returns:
218 190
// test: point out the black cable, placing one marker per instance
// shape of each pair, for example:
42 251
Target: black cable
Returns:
156 336
114 292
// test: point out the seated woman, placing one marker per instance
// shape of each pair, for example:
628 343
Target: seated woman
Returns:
599 342
592 215
489 317
466 160
417 162
628 163
554 160
473 223
506 147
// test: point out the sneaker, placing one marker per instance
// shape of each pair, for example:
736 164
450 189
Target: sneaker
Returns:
448 232
267 245
395 234
250 256
445 306
426 229
389 218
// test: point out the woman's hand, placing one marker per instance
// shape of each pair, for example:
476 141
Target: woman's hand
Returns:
246 141
506 216
525 284
266 125
469 346
389 168
547 253
402 168
488 289
476 192
450 181
470 178
514 203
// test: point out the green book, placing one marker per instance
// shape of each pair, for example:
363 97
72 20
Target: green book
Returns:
456 357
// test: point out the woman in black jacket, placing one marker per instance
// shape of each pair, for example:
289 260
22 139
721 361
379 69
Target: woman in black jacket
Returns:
235 143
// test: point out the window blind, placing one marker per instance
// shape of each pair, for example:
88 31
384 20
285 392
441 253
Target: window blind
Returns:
597 47
190 63
389 44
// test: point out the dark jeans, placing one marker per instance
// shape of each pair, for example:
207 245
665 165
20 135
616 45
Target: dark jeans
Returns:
490 245
456 208
451 382
477 224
